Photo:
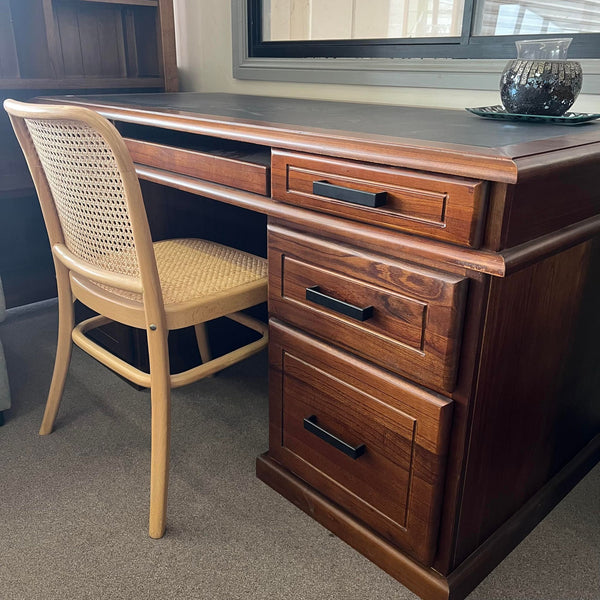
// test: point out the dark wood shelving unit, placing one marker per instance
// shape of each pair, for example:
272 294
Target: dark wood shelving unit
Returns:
56 47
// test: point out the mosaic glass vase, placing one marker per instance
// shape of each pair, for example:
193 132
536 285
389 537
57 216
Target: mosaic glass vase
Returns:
541 81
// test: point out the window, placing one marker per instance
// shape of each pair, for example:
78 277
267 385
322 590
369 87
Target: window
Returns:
481 33
483 29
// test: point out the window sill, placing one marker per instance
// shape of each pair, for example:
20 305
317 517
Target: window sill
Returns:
409 72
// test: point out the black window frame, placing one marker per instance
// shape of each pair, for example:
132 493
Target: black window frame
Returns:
584 45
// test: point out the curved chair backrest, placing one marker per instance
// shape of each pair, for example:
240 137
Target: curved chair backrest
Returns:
89 194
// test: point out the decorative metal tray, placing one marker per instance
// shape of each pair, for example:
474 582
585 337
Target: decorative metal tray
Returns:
499 112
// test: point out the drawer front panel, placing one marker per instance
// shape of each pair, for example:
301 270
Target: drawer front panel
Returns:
394 317
233 172
404 318
438 207
379 446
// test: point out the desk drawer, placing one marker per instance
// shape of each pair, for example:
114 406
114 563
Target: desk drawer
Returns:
405 318
242 169
444 208
372 443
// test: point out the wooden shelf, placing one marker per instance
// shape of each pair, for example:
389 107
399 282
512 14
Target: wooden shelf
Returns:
87 44
81 83
125 2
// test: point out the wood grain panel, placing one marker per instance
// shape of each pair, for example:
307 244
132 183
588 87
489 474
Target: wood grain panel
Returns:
537 400
111 36
168 51
70 41
214 165
417 313
28 23
106 40
131 56
381 476
9 66
147 45
435 206
100 45
395 317
545 204
396 485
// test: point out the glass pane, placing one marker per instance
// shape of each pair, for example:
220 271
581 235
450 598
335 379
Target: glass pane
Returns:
360 19
528 17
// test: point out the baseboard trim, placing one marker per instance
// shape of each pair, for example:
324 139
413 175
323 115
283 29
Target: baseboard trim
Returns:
25 310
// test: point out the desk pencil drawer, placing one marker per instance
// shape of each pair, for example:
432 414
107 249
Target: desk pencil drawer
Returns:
374 444
244 170
405 318
436 206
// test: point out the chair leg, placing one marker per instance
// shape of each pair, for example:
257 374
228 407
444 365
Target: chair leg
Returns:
160 393
202 340
64 346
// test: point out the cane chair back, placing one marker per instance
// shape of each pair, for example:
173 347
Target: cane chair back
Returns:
88 193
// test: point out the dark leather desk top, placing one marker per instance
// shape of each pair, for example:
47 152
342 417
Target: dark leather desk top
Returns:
449 141
418 123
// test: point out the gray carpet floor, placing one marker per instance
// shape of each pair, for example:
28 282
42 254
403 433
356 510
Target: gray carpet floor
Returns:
73 505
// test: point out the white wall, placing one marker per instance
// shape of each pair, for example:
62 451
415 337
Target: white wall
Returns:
204 49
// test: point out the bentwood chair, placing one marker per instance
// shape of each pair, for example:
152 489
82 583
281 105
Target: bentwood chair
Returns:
104 257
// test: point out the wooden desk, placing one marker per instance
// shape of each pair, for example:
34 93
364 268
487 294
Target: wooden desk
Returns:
434 294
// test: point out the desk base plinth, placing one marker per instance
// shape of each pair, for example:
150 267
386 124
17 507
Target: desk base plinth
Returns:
426 582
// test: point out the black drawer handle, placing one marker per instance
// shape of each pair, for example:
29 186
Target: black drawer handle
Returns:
354 452
338 192
355 312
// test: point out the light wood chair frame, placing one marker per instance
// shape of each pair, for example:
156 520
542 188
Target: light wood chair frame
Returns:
77 278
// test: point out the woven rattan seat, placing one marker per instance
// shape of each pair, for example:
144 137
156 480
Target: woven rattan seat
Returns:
190 269
104 257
